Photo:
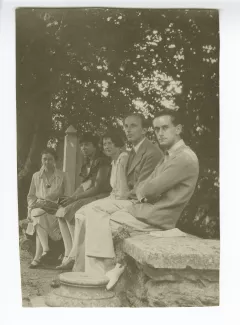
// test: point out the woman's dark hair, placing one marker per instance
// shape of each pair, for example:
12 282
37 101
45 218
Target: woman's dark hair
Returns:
89 137
50 151
116 138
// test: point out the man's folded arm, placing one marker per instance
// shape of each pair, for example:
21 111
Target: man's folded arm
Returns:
149 165
177 171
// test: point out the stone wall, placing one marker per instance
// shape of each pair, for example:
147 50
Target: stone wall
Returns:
166 272
170 272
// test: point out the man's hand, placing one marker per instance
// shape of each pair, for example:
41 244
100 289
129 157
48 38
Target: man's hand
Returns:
68 201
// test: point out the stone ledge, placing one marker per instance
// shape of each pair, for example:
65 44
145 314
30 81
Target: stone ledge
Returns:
174 252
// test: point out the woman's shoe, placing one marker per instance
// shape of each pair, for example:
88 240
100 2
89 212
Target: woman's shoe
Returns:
67 266
46 257
34 265
64 260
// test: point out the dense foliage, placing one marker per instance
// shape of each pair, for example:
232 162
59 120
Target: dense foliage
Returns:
89 67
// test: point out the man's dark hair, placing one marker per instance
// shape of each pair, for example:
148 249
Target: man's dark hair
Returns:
50 151
144 122
89 137
116 138
175 115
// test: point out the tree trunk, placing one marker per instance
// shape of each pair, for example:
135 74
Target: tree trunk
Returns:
39 137
32 164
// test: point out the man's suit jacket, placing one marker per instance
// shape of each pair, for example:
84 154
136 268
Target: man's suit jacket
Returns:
168 189
142 165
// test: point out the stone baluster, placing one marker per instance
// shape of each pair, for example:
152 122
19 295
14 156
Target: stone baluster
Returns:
70 155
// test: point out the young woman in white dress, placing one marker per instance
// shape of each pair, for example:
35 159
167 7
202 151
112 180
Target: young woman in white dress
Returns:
47 186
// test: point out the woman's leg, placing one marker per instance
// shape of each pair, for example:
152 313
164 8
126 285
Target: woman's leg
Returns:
98 211
70 261
66 235
71 227
76 239
39 249
43 237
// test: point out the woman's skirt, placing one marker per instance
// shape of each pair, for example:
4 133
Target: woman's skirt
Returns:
68 213
46 221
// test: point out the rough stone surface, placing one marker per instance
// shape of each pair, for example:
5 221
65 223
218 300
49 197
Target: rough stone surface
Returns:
181 294
77 289
56 300
149 287
131 288
174 252
160 272
174 275
82 279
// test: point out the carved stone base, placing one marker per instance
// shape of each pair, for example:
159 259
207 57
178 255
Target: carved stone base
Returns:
81 290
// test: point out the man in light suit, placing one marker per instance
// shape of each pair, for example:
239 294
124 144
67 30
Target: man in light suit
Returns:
168 189
144 155
165 193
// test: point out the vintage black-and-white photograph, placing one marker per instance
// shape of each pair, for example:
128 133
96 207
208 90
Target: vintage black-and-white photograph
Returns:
118 156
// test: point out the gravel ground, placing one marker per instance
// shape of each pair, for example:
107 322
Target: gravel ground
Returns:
35 282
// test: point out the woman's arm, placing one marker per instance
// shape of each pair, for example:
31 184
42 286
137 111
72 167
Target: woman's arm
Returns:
99 186
122 189
31 198
66 185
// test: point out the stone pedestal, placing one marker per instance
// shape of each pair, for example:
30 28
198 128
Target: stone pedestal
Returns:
78 289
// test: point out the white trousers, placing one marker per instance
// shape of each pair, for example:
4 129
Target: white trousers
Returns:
99 218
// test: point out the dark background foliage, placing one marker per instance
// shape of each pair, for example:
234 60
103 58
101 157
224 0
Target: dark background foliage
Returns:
90 67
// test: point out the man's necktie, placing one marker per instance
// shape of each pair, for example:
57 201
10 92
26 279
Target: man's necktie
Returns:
166 157
131 157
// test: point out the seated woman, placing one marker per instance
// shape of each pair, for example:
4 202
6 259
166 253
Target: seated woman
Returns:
47 186
95 174
113 147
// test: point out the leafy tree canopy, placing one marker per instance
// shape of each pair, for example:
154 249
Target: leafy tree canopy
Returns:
90 67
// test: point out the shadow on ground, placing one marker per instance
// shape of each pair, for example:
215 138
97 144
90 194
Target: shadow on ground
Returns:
34 282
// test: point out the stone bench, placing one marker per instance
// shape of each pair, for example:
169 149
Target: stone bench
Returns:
170 272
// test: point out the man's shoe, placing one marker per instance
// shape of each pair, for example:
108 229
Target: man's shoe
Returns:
114 276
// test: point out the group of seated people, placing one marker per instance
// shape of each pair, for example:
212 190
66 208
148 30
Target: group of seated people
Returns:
145 189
